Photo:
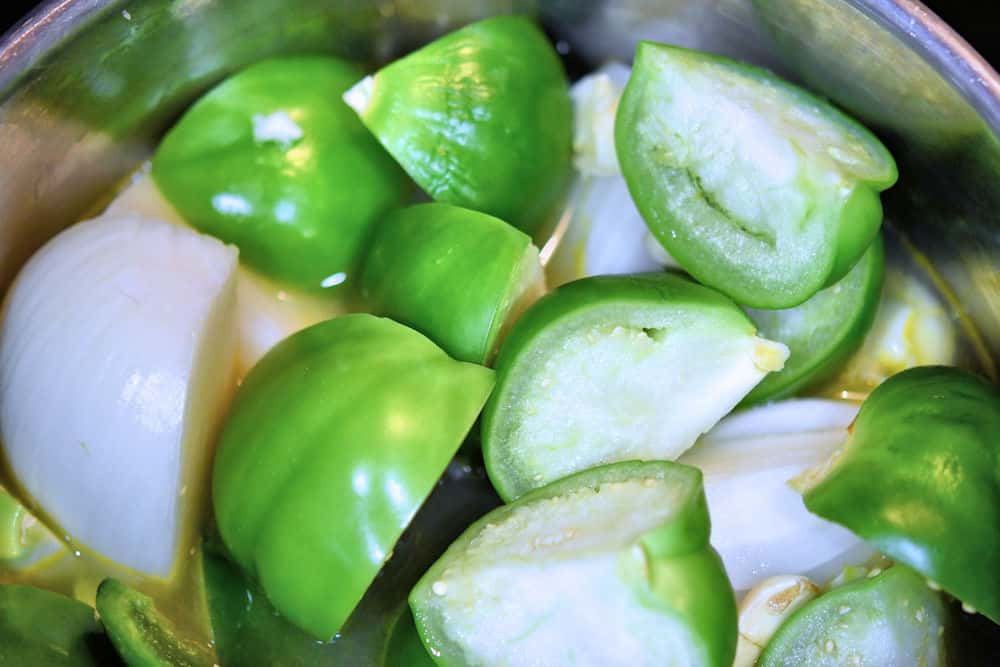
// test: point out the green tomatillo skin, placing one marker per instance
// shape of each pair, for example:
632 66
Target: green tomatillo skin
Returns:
616 368
274 162
142 636
892 619
451 273
822 333
334 440
919 480
756 187
608 566
38 627
479 118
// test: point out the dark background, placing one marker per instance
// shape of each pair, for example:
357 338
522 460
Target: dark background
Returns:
975 20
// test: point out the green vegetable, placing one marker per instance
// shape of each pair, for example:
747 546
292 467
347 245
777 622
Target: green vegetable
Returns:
756 187
454 274
919 479
480 118
38 627
608 566
890 619
25 542
822 333
613 368
246 628
272 161
334 440
142 636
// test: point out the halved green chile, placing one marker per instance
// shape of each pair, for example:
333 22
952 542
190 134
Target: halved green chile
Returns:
334 440
454 274
615 368
608 566
756 187
919 479
479 118
274 162
39 627
892 619
142 635
822 333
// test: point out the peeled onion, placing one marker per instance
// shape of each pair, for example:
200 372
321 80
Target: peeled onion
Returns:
760 526
266 311
604 232
117 350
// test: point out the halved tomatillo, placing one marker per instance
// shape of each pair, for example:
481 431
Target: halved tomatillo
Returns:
615 368
822 333
919 479
480 118
456 275
756 187
891 619
334 440
609 566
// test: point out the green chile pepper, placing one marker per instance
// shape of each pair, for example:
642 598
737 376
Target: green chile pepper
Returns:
891 619
274 162
334 440
479 118
38 627
822 333
608 566
614 368
919 479
454 274
756 187
142 636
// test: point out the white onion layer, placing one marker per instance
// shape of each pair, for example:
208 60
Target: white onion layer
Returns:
760 525
116 362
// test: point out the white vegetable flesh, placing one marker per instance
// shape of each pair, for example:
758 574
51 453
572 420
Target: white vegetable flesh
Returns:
760 526
116 363
547 584
598 396
266 312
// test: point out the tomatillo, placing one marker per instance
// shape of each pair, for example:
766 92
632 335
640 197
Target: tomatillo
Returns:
334 440
615 368
822 333
755 186
480 118
919 479
608 566
274 162
456 275
890 619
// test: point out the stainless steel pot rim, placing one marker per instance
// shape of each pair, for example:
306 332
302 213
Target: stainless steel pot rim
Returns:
54 20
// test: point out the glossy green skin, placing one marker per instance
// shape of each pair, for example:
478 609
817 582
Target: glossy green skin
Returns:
919 480
890 619
822 333
246 628
555 312
674 570
11 516
334 440
683 216
300 210
142 636
448 272
38 627
480 118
